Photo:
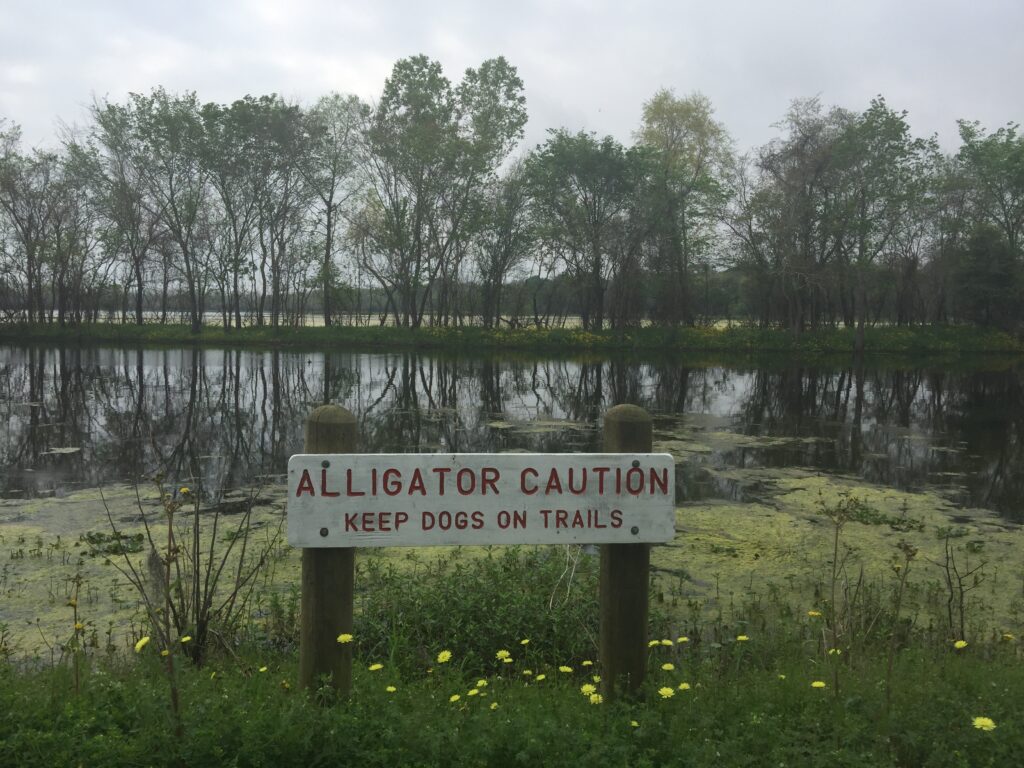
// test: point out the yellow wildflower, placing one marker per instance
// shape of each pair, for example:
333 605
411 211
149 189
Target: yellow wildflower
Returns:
473 692
507 660
165 652
391 689
654 643
668 666
375 667
634 724
345 637
586 663
540 677
960 644
682 639
814 614
502 655
72 603
684 686
596 678
494 705
186 639
525 641
444 657
782 677
527 672
666 692
143 642
741 638
586 689
818 684
1007 636
596 698
184 491
79 626
835 652
481 683
453 698
984 723
565 669
667 643
263 669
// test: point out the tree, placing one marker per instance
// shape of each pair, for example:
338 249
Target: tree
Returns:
430 149
994 164
582 189
688 151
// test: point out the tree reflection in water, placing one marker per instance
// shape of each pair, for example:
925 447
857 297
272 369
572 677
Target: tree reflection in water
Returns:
233 417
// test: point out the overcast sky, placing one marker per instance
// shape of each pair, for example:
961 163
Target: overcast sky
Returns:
585 64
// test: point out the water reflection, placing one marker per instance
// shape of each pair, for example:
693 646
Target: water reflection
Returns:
81 417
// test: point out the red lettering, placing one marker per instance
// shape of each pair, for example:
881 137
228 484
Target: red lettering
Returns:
553 482
489 479
392 487
478 520
616 518
577 520
350 522
305 485
323 485
401 518
601 472
462 475
417 484
561 518
441 473
368 520
583 482
546 513
635 474
661 481
348 485
522 482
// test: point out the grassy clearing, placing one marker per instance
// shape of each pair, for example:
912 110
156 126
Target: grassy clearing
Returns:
713 698
948 341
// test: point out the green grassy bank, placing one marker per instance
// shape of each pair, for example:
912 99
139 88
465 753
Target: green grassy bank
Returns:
887 340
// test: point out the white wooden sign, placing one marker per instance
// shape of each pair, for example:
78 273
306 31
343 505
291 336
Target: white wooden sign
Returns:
402 499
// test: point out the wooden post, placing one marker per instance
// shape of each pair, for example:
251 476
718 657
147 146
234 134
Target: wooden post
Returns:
624 573
328 574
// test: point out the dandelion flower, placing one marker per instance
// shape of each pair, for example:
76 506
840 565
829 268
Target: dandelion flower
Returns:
473 692
741 638
79 626
668 666
782 677
494 705
684 686
814 614
391 689
540 677
165 652
835 652
682 639
507 660
525 641
184 491
453 698
502 655
654 643
666 692
375 667
960 644
596 698
263 669
527 672
481 683
1007 636
444 657
186 639
984 723
586 689
818 684
143 642
565 669
345 637
596 678
634 724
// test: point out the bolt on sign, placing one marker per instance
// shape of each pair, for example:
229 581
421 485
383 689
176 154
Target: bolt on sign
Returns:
389 500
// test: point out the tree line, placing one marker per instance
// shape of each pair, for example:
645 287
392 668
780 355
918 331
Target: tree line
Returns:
420 210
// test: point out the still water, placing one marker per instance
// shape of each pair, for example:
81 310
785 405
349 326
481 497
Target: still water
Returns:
78 418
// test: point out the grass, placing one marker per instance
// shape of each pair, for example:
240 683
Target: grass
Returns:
944 340
748 702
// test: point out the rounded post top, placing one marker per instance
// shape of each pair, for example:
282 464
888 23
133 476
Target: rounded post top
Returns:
331 414
630 413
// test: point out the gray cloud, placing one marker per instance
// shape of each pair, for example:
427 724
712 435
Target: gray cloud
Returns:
585 64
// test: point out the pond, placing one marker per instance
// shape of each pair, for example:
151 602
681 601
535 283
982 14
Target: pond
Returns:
760 451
